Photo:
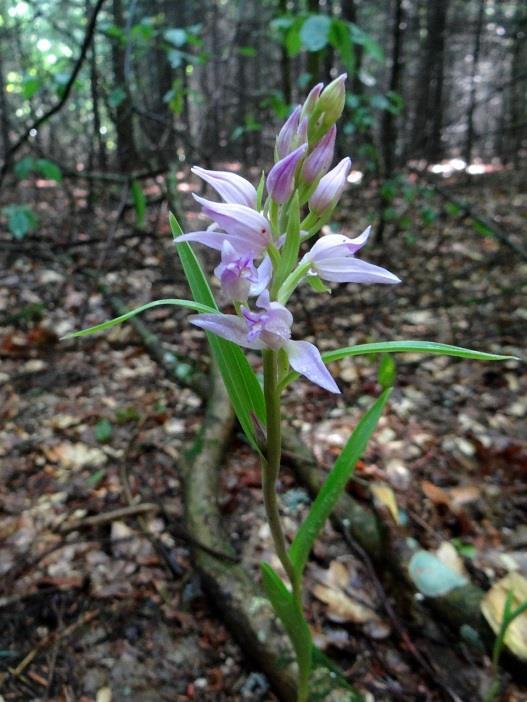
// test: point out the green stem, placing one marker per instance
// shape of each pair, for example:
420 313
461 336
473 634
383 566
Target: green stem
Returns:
271 467
270 471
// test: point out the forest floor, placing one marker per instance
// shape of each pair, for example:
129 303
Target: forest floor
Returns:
99 599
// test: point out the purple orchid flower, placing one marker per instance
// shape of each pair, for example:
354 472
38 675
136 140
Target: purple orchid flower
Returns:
330 187
285 141
281 178
270 328
319 160
247 230
230 186
332 258
238 275
311 100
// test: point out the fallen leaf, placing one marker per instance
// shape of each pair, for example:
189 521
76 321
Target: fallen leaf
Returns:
384 494
431 576
341 607
493 604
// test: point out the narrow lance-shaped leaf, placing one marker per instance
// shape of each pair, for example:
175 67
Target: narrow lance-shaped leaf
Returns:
335 484
410 346
289 613
189 304
240 380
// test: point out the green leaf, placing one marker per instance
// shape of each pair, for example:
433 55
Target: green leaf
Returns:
412 347
24 167
20 220
340 39
335 484
139 203
481 228
175 57
290 615
240 380
117 96
95 478
371 47
30 86
314 33
190 304
317 285
293 43
103 430
48 169
453 209
176 37
248 51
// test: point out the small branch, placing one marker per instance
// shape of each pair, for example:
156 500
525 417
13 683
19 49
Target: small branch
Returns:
105 517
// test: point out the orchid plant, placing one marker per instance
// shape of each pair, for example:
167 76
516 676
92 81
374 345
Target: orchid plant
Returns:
262 235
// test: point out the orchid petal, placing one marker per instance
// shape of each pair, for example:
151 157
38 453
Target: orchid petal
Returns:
230 186
353 270
215 239
281 178
286 136
305 359
330 243
238 220
264 273
228 326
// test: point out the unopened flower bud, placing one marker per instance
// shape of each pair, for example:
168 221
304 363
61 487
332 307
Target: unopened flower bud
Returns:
301 134
286 139
332 99
281 178
319 160
330 188
311 100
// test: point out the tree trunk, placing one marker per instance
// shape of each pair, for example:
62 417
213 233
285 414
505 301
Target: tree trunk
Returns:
469 143
428 118
127 156
388 132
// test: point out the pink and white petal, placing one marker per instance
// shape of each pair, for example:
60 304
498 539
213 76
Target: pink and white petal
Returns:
353 270
243 245
264 273
305 359
228 326
230 186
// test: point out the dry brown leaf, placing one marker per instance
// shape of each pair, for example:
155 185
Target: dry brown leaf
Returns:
341 607
454 498
75 455
384 494
493 604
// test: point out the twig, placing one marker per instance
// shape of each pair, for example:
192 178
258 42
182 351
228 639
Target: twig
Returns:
132 510
47 641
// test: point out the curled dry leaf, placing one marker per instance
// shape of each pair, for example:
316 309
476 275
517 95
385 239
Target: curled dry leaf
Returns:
493 604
